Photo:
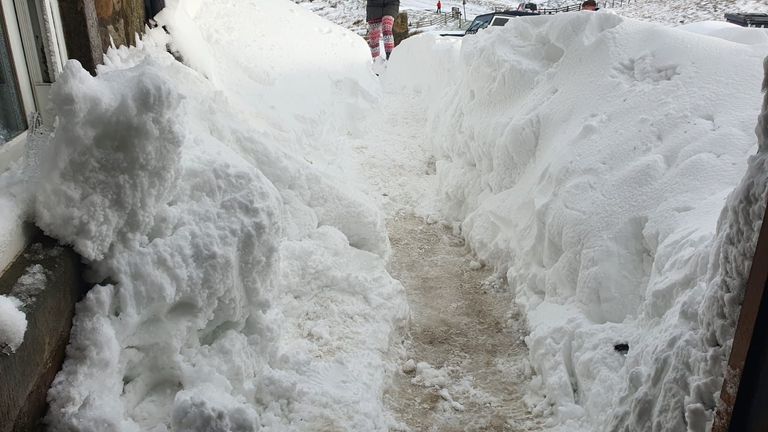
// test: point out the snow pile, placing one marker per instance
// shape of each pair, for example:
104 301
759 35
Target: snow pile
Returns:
13 319
588 158
241 280
729 32
13 324
14 198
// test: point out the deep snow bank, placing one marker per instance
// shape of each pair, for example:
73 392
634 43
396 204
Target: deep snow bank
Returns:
588 158
243 282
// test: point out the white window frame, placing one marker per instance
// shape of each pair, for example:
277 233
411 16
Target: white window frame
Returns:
16 19
13 149
33 91
17 56
54 47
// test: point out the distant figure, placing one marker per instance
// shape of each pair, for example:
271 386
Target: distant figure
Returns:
380 15
439 6
589 5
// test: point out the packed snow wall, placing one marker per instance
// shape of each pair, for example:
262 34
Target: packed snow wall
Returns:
592 160
240 276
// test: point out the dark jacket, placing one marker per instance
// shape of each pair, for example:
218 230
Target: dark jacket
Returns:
378 9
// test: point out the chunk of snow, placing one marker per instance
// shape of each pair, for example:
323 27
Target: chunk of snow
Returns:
428 376
447 397
409 366
13 324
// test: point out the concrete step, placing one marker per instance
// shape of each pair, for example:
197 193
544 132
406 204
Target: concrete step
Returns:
25 375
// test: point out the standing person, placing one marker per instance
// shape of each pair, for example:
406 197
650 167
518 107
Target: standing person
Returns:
439 6
380 15
589 5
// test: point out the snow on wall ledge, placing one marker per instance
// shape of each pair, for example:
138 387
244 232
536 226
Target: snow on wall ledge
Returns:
588 157
242 281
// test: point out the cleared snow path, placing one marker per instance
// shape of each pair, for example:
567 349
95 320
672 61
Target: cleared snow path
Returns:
466 359
465 342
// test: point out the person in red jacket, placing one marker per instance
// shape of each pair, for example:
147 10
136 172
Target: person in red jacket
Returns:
439 6
380 15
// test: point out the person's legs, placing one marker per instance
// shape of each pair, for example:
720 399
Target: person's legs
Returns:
389 38
374 36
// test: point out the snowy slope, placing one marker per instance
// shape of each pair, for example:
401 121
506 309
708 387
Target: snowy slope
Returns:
590 159
351 13
688 11
240 276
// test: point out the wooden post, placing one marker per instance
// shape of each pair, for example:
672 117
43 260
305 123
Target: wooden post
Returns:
81 31
400 29
743 389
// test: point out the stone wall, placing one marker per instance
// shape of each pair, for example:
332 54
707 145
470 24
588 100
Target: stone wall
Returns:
90 26
120 20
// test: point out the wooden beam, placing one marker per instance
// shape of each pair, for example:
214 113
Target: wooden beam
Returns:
741 387
81 32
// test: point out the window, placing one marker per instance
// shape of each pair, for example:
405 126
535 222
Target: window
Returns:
498 22
12 121
480 22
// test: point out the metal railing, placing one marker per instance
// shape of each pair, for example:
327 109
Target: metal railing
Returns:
441 18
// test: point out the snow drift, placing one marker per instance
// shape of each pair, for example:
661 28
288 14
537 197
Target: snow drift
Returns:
588 158
241 280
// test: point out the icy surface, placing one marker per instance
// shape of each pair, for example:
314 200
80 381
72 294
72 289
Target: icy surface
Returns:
30 284
242 282
588 158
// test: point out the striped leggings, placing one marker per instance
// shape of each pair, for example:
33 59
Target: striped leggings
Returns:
377 29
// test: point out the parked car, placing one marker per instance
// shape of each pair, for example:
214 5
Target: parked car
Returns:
496 19
748 19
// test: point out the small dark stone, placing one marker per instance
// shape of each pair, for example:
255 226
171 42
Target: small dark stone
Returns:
621 348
